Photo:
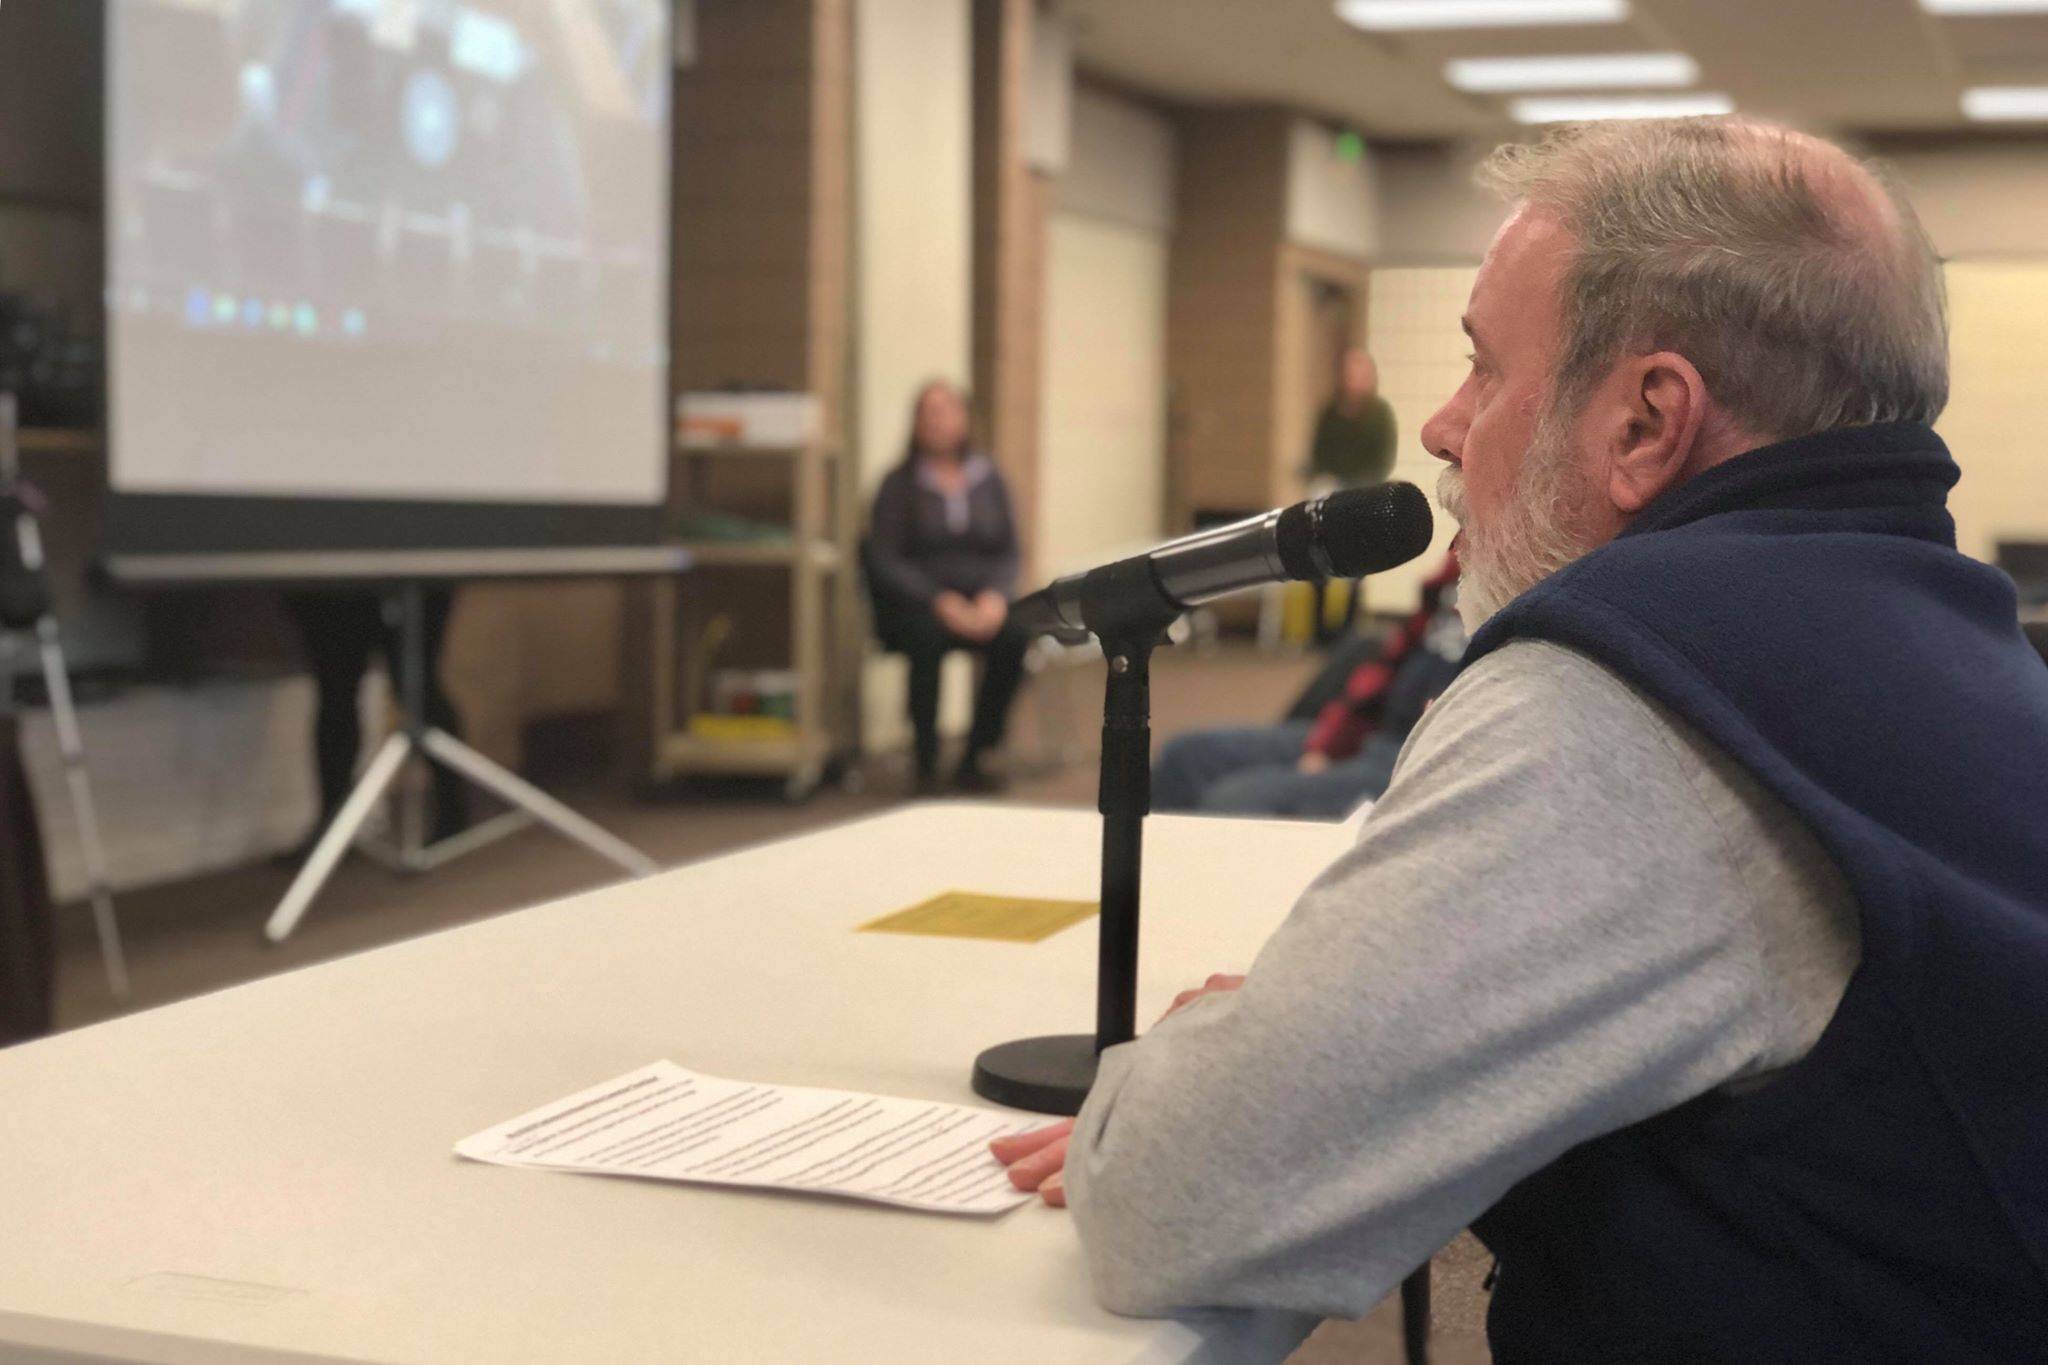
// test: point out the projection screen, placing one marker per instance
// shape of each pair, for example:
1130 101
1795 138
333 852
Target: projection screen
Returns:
387 274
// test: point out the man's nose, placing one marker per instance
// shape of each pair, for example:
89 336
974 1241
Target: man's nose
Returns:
1440 434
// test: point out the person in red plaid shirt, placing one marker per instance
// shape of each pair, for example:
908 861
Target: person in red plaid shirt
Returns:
1323 769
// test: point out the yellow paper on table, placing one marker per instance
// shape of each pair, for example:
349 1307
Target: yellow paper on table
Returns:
963 914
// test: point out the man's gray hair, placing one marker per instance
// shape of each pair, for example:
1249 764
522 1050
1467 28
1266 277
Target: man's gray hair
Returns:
1797 280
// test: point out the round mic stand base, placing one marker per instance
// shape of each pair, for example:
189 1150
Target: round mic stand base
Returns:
1048 1075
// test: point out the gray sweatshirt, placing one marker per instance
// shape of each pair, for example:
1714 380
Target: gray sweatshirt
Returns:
1567 914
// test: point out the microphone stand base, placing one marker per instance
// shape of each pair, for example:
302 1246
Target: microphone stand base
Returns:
1048 1075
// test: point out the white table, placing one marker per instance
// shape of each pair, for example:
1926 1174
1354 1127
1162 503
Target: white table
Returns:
264 1174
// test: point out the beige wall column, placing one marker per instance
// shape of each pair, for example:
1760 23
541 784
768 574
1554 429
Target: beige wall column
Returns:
1102 424
913 197
1010 204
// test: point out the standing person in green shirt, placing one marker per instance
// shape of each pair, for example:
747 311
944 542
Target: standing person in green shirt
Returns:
1354 443
1354 448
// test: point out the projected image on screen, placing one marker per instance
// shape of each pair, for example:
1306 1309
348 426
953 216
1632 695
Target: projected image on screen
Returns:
406 249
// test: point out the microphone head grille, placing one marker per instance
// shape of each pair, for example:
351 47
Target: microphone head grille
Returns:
1368 530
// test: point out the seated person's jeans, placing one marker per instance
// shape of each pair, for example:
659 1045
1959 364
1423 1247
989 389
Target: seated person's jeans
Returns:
1251 771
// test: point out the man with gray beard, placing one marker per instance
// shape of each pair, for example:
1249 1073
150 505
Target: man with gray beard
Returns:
1697 955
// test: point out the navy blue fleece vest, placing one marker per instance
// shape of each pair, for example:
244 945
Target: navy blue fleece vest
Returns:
1804 607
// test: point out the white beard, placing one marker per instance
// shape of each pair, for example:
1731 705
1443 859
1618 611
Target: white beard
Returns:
1534 538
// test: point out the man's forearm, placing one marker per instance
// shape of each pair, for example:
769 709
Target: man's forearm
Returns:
1177 1211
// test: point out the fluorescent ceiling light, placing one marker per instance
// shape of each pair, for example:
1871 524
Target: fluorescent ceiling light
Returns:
1574 109
2006 103
1985 6
1603 71
1392 15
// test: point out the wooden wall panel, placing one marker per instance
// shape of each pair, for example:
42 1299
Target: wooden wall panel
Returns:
1223 312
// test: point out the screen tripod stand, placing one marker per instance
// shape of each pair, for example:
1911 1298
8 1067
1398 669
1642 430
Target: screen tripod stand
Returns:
416 738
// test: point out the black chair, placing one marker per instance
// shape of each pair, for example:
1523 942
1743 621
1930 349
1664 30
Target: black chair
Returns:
889 611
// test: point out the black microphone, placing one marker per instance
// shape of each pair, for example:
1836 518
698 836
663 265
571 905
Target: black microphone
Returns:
1347 534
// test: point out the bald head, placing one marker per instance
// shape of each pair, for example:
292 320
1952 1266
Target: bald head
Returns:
1857 207
1793 276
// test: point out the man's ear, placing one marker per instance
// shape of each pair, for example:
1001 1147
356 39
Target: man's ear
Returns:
1663 406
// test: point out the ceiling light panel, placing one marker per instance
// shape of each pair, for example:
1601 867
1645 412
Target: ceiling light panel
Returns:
1389 16
1596 71
2007 103
1573 109
1985 6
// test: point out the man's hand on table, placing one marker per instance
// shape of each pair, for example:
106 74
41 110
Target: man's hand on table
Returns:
1038 1159
1215 985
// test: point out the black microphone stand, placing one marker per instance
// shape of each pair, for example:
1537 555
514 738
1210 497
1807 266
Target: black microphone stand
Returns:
1052 1074
1123 607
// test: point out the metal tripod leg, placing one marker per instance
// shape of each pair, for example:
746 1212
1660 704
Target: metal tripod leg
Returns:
334 841
71 745
516 791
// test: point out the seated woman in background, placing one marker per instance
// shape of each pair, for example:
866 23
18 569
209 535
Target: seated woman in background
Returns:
942 561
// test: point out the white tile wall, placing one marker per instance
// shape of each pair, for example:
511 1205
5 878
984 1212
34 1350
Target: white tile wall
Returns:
1412 331
1996 355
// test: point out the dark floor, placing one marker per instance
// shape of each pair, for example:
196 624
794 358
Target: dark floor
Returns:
205 933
